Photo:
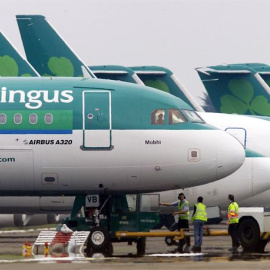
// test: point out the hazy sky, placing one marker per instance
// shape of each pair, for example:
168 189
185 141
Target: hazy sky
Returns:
177 34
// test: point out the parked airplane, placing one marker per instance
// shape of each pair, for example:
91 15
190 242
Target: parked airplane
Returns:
21 128
60 171
238 88
163 79
30 205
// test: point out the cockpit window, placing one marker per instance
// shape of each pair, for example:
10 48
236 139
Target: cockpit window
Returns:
158 117
176 117
193 116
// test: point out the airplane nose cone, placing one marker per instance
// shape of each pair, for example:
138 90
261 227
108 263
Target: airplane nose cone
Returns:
230 155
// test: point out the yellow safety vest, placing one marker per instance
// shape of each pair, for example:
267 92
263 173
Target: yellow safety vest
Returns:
233 211
181 207
200 213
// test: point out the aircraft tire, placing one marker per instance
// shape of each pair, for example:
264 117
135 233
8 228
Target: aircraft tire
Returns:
249 234
141 246
98 239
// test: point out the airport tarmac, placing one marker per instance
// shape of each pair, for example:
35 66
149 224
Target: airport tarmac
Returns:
214 255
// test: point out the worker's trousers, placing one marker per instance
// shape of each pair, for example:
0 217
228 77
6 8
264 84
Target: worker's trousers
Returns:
198 232
232 230
183 224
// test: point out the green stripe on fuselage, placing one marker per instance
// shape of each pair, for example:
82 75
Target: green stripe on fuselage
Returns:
253 154
61 120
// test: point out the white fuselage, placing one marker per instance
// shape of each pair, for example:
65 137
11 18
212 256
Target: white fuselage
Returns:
251 179
41 164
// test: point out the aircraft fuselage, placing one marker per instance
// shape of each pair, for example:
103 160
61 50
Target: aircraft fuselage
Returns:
80 136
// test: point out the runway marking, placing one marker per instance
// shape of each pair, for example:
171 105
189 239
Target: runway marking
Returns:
176 254
58 259
96 258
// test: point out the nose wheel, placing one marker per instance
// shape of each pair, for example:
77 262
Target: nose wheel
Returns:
99 242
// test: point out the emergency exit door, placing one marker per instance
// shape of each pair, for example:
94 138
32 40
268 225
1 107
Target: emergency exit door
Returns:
96 119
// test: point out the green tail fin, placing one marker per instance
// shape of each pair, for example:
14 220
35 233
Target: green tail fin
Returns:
238 88
47 51
12 64
163 79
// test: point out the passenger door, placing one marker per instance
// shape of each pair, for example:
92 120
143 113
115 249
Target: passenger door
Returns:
97 119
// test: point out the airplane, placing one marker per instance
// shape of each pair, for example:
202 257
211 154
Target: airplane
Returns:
23 207
80 136
29 205
31 32
238 88
90 124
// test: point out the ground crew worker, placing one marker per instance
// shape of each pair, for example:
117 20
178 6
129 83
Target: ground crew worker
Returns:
183 214
198 218
233 211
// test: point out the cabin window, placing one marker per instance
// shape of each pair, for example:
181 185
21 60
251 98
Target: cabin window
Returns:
158 117
48 118
193 116
17 118
33 118
176 117
3 118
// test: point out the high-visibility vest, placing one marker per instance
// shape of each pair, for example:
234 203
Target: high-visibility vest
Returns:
181 207
233 211
200 213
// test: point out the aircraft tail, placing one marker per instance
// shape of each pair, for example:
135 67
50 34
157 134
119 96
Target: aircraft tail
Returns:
238 88
163 79
48 53
12 64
